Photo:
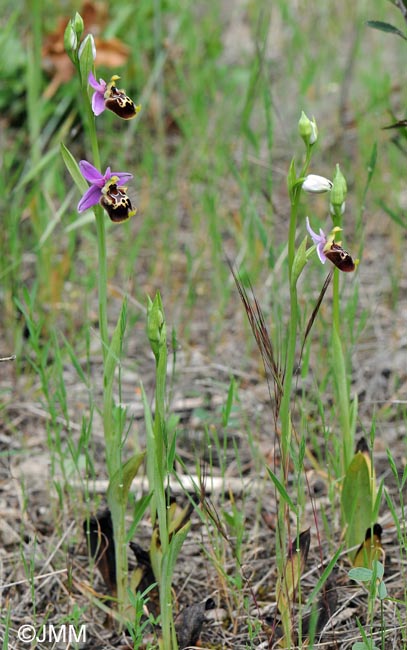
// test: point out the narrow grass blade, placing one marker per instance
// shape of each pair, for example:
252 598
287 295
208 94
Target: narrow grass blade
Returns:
282 491
35 171
261 335
324 577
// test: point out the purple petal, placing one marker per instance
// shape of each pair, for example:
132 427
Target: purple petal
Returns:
91 197
98 103
317 239
123 177
99 86
320 253
91 174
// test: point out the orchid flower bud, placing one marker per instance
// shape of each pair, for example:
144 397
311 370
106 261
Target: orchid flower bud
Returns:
86 56
88 42
307 129
70 41
315 184
338 193
78 25
156 326
72 36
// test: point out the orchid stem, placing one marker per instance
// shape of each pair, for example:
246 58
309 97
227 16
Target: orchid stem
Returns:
100 229
111 436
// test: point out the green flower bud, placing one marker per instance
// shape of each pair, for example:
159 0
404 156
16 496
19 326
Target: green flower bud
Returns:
70 41
156 326
88 43
86 56
338 192
72 36
78 25
307 129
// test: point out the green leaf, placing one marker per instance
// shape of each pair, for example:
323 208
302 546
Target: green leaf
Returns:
377 501
371 167
361 574
281 489
120 483
378 568
83 220
323 578
292 179
385 27
115 346
154 481
75 362
382 590
73 168
174 549
226 410
356 499
139 510
300 260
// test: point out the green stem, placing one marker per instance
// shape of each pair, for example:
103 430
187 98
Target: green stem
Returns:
167 626
34 82
102 278
339 362
285 412
292 330
285 406
112 434
100 228
335 300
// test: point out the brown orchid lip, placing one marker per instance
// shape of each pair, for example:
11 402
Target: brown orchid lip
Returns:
340 258
118 102
115 201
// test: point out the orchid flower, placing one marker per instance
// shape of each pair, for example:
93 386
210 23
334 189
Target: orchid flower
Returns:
327 248
108 190
106 95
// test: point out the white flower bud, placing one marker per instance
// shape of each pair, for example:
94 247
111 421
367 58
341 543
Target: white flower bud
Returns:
316 184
